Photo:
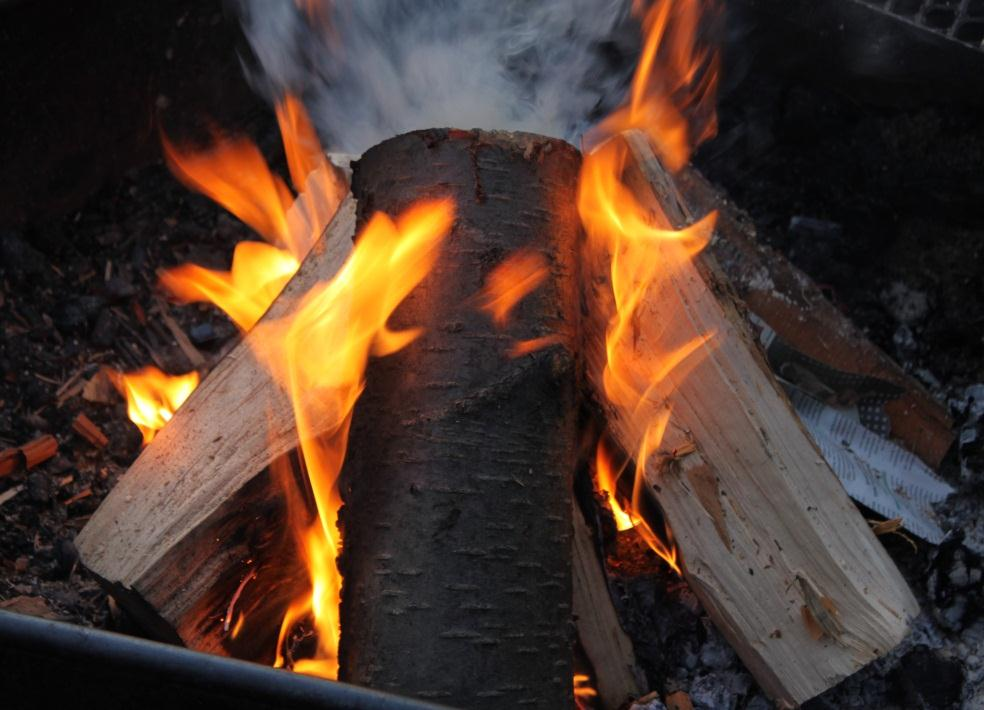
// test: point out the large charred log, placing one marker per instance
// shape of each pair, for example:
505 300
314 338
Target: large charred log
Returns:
457 486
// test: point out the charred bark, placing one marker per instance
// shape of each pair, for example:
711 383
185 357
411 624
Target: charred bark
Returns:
457 529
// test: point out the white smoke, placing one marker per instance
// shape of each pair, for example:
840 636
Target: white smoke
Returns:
371 69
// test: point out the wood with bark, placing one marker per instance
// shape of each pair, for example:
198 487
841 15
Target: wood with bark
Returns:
607 646
457 485
769 541
197 512
792 305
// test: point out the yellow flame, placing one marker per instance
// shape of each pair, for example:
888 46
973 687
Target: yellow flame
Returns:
607 478
671 102
152 396
234 174
675 82
319 354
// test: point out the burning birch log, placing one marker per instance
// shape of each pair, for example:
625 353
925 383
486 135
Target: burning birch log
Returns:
778 555
457 485
197 518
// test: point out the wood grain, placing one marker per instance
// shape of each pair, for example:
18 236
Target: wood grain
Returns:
764 528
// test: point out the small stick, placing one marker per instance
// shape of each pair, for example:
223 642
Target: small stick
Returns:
187 347
90 431
81 495
8 494
29 455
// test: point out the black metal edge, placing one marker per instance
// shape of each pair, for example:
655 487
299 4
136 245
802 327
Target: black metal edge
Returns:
183 667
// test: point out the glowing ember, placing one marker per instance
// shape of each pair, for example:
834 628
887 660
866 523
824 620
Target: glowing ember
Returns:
672 92
234 174
319 354
152 396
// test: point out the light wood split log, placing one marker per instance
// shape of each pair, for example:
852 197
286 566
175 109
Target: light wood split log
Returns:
607 646
197 513
778 555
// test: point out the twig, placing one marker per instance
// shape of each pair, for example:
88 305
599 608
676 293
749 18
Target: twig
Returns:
10 493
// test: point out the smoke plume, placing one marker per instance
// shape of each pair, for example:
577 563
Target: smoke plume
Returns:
370 69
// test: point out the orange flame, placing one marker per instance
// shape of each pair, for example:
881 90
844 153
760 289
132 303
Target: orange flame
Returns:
584 691
152 397
510 282
319 354
607 478
675 82
234 174
625 519
671 102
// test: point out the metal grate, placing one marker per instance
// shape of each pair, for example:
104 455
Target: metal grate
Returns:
958 20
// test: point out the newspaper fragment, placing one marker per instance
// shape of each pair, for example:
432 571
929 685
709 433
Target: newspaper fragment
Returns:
843 413
874 471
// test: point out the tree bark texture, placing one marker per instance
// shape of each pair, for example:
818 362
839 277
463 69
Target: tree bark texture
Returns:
457 484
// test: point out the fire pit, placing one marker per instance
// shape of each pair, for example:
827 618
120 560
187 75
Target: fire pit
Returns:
507 421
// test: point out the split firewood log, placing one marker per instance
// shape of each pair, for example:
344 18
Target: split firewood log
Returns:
780 558
196 519
599 630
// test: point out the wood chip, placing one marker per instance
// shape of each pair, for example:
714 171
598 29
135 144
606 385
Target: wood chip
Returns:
679 700
99 389
90 431
40 450
194 356
28 455
885 527
10 460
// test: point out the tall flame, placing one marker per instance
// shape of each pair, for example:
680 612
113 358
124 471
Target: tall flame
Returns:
671 102
152 396
675 82
319 354
234 174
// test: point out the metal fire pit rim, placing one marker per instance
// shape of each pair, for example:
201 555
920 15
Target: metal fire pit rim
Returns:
19 632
